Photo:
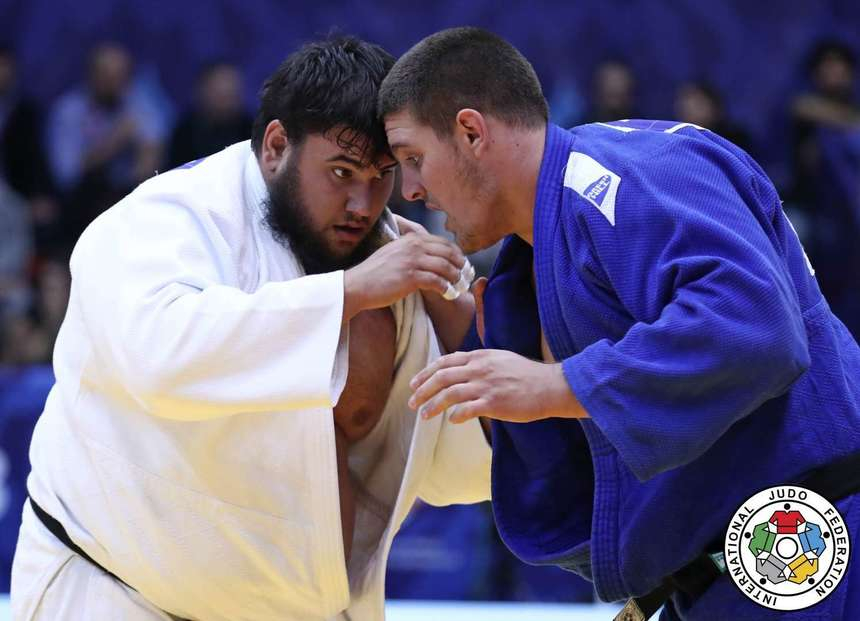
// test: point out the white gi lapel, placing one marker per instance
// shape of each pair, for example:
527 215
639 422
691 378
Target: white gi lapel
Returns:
414 353
424 437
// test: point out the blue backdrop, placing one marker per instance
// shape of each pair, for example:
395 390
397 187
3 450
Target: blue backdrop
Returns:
752 51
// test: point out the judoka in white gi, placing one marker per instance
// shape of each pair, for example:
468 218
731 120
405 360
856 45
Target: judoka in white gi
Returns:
228 435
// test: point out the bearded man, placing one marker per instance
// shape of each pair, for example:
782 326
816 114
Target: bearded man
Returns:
228 436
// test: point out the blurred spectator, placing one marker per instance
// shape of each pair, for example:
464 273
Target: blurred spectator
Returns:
27 336
699 103
102 142
218 119
826 193
23 164
831 69
15 253
613 93
831 104
15 235
22 160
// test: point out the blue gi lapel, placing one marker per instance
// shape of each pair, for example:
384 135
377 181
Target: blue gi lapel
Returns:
548 205
538 514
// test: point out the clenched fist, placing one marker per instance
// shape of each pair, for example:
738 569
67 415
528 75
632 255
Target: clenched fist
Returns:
416 261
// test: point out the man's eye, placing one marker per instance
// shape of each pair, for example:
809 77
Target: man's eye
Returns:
414 160
342 173
384 173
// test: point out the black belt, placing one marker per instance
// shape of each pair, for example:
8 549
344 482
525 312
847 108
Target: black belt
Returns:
833 481
57 530
60 533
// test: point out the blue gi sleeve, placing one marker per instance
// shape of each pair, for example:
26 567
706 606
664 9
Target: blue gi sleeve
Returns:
717 327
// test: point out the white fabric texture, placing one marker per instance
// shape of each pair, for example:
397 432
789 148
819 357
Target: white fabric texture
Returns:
188 444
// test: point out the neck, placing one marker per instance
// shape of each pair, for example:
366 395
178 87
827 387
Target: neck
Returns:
524 154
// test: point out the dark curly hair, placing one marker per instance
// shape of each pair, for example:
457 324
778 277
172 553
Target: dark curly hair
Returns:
326 85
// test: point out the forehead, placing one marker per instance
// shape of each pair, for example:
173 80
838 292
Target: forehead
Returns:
347 146
405 132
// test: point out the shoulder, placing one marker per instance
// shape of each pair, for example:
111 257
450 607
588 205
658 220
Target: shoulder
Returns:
207 195
644 164
643 144
211 183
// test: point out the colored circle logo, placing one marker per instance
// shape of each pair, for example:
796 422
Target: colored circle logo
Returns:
787 548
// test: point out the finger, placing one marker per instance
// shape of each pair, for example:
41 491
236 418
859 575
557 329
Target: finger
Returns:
468 410
422 244
457 359
440 380
478 291
451 396
428 281
441 267
439 246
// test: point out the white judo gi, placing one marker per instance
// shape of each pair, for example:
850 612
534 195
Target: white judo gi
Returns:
188 445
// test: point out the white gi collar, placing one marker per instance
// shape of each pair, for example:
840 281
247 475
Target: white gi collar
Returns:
255 185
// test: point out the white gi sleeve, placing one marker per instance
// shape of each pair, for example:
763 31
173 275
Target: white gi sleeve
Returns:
170 326
460 473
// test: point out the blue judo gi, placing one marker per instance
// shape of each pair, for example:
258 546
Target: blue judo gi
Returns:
674 291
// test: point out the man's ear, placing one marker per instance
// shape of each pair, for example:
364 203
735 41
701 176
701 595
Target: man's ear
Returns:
471 130
275 147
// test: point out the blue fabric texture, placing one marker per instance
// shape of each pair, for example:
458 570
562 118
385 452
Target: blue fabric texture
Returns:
690 327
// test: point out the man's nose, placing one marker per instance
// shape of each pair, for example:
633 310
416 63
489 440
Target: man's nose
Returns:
359 202
411 187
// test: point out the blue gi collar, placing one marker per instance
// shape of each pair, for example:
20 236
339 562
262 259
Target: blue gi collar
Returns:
556 152
548 198
535 466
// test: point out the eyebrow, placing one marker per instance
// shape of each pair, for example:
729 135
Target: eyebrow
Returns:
346 159
394 146
357 163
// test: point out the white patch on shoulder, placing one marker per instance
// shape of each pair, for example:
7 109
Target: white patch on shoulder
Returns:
619 128
593 182
675 128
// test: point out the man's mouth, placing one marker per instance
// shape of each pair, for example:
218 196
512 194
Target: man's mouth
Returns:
351 232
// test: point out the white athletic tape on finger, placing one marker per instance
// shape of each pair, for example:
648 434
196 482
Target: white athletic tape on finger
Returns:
467 274
450 293
470 271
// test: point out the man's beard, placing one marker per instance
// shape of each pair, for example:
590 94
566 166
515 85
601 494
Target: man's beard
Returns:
286 216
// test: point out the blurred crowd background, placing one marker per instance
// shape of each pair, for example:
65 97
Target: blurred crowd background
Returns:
97 96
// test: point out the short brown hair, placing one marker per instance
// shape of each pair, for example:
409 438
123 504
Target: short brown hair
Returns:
464 68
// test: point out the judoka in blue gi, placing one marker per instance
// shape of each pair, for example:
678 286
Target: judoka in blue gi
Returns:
652 317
